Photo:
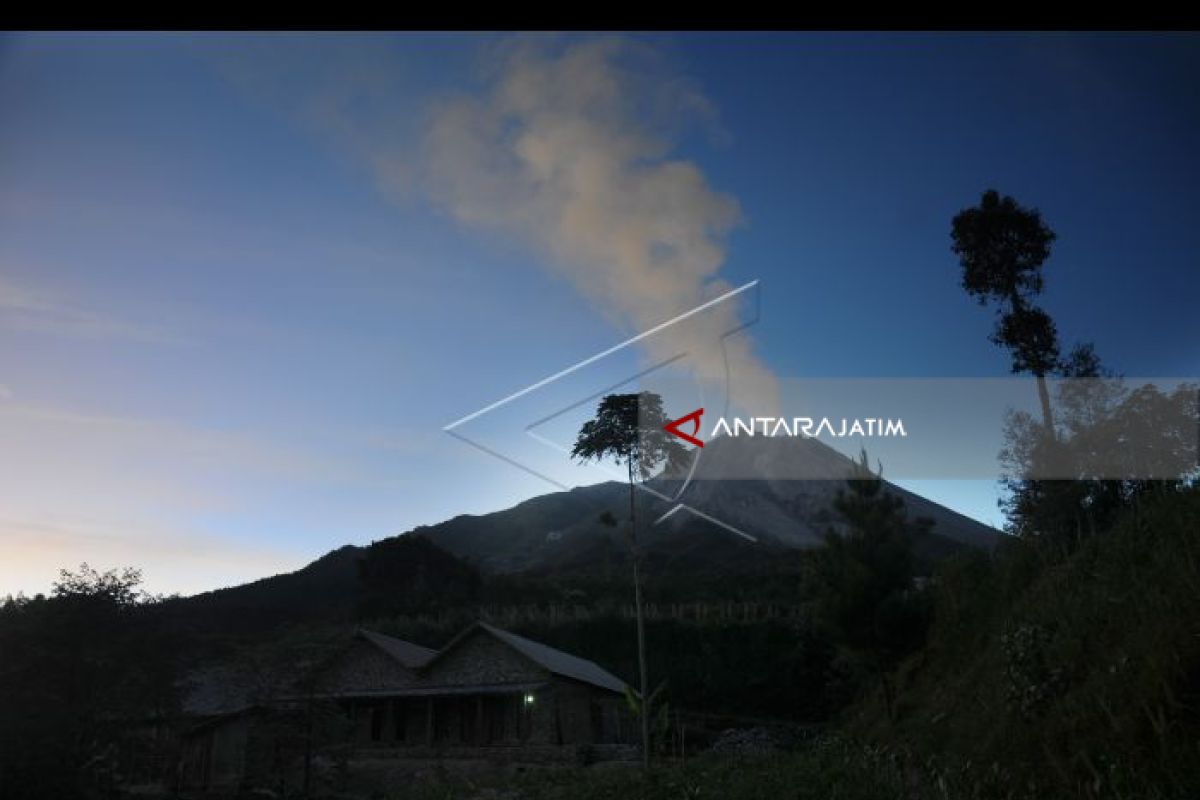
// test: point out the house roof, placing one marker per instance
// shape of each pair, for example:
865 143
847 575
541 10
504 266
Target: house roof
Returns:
216 690
557 661
410 655
227 690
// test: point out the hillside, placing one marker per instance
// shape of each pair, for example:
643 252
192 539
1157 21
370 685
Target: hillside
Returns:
1073 673
559 537
562 530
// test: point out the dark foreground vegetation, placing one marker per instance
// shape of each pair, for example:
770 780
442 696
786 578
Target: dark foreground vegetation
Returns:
1060 671
1048 669
828 769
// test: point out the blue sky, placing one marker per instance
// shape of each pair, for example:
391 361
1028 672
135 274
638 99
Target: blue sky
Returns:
240 294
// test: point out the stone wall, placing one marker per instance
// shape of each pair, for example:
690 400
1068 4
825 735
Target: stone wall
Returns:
481 660
366 668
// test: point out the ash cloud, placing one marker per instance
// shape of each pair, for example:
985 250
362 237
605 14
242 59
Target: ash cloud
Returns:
568 148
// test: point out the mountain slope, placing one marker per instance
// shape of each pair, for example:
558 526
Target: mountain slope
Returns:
563 530
563 535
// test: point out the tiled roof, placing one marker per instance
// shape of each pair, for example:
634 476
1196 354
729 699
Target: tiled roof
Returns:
226 690
557 661
412 656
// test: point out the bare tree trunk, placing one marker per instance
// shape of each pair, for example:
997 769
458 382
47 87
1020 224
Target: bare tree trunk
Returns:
1017 305
1044 397
641 626
641 633
888 698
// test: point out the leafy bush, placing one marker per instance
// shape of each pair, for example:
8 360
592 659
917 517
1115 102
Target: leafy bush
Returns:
1068 675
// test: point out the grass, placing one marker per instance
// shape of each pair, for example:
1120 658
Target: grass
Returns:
828 769
1062 676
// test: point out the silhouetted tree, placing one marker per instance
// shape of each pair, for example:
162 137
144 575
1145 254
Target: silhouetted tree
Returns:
1001 247
1055 509
865 576
1112 445
80 671
629 429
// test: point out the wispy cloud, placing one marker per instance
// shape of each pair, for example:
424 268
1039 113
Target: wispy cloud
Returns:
84 442
32 309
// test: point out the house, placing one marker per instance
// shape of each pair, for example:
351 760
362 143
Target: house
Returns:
487 694
486 688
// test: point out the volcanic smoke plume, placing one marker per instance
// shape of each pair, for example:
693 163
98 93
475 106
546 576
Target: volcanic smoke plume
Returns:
568 148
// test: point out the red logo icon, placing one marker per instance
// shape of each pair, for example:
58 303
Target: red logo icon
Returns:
694 417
